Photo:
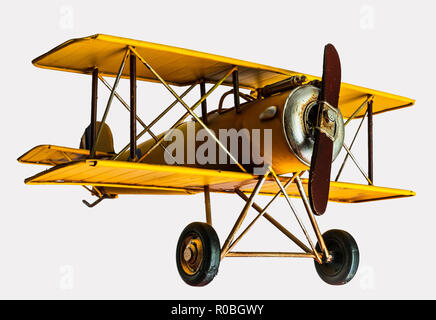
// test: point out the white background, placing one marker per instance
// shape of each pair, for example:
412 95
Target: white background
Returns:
52 246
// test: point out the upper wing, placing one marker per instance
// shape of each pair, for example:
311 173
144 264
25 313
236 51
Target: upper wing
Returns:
176 65
182 67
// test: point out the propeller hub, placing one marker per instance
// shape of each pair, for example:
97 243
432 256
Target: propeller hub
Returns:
329 116
300 119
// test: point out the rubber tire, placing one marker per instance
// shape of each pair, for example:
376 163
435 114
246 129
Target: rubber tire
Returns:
343 267
211 254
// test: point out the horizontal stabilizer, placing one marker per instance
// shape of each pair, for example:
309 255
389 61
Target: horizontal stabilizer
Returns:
54 155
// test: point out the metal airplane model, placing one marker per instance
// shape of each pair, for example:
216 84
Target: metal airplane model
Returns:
301 118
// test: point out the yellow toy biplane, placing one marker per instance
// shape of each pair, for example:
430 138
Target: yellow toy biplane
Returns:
291 126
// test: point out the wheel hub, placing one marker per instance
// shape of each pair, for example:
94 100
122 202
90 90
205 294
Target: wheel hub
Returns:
191 254
187 254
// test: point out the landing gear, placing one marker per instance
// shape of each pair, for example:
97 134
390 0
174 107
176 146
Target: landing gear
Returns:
344 258
198 254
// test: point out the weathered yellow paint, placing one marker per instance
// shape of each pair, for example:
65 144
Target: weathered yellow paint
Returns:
140 177
125 174
344 192
54 155
183 67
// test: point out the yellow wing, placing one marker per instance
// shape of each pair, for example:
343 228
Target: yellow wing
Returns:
129 177
123 174
342 191
183 67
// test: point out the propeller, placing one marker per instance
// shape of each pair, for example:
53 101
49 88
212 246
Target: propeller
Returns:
321 162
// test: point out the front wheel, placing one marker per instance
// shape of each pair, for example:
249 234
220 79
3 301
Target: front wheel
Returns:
345 258
198 254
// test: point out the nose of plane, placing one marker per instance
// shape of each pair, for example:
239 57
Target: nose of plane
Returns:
299 123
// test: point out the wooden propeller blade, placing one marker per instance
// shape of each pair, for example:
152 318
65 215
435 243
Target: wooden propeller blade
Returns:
321 162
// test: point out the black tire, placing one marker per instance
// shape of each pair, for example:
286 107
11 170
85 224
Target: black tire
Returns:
199 242
345 258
